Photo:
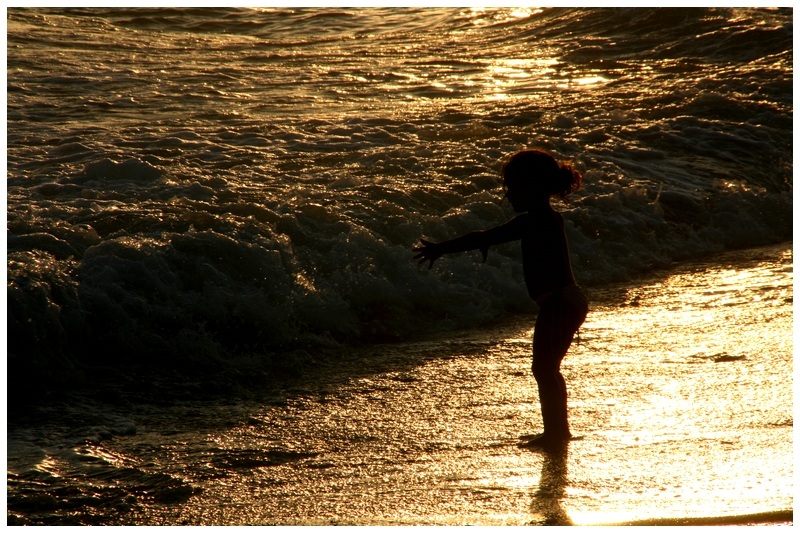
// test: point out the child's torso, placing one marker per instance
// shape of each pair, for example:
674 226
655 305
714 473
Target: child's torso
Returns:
545 254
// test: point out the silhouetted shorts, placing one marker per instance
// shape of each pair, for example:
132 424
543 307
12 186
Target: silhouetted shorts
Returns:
561 314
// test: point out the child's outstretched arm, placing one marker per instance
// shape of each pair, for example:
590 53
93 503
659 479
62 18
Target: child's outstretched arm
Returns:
477 240
431 251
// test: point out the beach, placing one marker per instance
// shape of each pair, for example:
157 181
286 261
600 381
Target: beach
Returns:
214 316
680 396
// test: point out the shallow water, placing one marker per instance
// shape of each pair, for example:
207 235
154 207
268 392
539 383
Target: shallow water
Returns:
680 392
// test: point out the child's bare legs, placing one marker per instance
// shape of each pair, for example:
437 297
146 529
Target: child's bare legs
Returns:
553 398
559 318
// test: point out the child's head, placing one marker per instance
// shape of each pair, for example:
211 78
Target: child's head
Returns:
532 173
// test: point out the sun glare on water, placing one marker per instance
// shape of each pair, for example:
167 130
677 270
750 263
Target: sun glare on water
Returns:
680 396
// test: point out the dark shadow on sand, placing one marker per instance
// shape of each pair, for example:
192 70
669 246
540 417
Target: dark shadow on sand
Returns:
546 503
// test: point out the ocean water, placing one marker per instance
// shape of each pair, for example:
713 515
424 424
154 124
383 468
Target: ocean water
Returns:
194 184
201 198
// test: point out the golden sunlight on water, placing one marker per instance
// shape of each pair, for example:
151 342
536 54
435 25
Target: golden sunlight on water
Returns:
680 393
481 17
698 393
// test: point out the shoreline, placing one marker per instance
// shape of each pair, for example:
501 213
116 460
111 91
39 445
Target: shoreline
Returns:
773 518
248 377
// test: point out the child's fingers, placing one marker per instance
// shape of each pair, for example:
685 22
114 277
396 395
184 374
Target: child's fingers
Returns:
424 253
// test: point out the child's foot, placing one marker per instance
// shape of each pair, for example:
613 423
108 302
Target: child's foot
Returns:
543 441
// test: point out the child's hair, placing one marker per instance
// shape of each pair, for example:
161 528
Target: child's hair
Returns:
537 170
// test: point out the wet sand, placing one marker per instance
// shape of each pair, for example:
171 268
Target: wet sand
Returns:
680 391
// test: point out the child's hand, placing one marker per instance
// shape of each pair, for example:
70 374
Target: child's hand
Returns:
429 251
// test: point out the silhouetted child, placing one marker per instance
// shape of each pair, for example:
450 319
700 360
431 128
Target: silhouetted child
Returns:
530 178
